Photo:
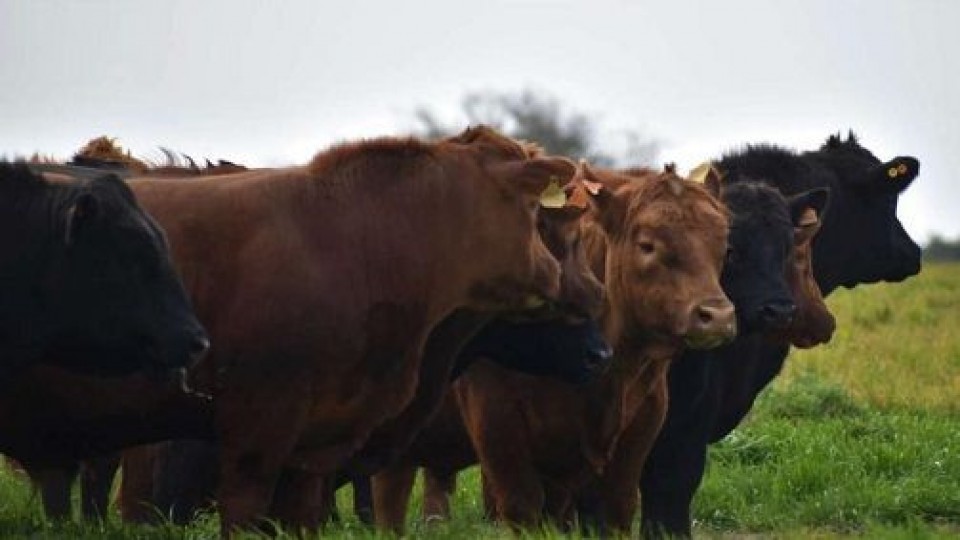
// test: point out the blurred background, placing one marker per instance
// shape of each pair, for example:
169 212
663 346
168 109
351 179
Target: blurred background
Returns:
624 83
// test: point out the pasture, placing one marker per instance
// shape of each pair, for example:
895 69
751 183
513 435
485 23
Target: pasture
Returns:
859 437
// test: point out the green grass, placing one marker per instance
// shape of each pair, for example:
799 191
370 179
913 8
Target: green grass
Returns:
860 437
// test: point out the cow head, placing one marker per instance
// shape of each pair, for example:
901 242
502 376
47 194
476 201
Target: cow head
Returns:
665 246
760 241
505 201
767 272
559 227
862 239
110 285
813 324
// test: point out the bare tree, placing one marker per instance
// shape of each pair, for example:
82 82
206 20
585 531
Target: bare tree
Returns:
540 118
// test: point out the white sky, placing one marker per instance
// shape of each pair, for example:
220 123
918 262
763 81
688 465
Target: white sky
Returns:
269 83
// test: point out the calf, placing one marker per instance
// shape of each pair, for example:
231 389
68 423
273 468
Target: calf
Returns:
860 241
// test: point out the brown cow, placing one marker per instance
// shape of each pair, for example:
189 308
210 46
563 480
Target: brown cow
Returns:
659 241
320 284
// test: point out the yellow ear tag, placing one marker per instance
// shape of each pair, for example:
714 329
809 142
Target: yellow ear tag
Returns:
892 172
699 173
553 196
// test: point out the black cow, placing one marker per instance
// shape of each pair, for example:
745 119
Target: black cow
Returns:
860 241
87 281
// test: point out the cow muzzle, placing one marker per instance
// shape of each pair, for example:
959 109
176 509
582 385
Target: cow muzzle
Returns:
711 324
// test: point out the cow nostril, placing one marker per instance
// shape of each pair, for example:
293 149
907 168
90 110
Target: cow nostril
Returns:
705 315
778 312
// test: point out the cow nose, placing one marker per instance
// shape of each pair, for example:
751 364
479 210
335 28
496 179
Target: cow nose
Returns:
598 357
778 313
199 347
713 322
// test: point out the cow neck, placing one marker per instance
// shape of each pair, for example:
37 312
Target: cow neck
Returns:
640 363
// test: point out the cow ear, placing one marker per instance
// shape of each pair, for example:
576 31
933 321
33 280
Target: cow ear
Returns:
610 209
898 172
708 175
806 212
536 176
79 215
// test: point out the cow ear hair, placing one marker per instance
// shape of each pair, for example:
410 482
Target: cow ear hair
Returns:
80 214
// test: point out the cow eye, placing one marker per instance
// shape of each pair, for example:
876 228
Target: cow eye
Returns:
647 248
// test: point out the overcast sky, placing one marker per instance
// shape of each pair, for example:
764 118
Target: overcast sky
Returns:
271 83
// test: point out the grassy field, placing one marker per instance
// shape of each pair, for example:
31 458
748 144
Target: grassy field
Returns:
859 437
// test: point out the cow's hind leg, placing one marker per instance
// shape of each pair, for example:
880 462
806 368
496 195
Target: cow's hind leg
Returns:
391 495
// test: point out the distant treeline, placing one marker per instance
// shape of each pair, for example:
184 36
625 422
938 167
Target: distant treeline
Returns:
941 249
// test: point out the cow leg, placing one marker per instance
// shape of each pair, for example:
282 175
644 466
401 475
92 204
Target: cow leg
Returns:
185 478
438 487
135 500
667 487
518 493
363 498
54 483
619 483
489 503
302 500
391 495
558 506
96 482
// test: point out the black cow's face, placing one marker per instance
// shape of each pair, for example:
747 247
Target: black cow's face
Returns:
122 307
572 352
759 246
862 241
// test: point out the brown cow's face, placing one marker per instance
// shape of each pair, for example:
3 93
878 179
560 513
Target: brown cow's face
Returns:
667 241
813 324
580 290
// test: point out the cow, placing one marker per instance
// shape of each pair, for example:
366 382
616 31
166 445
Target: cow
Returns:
154 479
87 279
860 240
659 241
767 247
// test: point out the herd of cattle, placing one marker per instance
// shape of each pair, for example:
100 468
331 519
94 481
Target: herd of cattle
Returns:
251 340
